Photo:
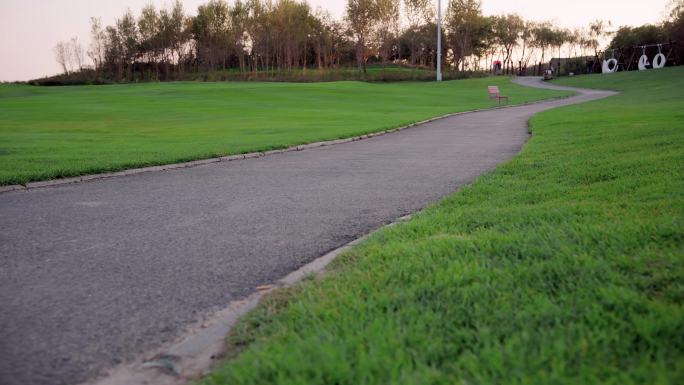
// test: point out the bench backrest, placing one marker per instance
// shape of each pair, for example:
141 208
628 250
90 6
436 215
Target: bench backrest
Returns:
495 94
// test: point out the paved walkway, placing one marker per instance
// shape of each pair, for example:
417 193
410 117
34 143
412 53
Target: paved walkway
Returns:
93 273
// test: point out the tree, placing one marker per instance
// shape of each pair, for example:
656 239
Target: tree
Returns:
543 37
527 39
507 33
674 26
628 37
260 35
560 36
76 53
418 13
361 15
128 38
96 50
175 31
598 29
69 55
574 39
210 31
149 34
674 10
239 17
329 40
114 52
62 55
387 26
467 30
290 22
491 44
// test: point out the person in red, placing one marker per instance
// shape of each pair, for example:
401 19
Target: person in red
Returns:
496 67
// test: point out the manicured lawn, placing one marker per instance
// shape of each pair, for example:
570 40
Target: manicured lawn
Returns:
563 266
66 131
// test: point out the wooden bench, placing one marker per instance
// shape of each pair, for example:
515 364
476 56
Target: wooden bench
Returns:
495 94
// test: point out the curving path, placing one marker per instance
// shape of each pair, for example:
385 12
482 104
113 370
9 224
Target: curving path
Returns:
93 273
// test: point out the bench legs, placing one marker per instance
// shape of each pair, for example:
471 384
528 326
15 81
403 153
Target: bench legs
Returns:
498 98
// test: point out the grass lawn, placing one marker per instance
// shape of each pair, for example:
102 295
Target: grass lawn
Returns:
51 132
563 266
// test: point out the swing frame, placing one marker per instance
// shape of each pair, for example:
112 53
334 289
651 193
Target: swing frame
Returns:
634 60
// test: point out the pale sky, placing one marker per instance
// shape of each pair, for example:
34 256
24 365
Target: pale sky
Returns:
29 29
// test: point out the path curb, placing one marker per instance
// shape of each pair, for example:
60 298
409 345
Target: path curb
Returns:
252 155
194 354
199 348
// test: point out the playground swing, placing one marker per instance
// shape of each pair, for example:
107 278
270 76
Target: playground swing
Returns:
643 60
659 60
611 65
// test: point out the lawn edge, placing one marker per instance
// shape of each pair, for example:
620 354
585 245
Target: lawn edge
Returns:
195 352
252 155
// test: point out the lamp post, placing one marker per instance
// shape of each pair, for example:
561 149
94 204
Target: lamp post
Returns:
439 40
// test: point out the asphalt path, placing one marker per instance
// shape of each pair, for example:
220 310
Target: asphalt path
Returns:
94 273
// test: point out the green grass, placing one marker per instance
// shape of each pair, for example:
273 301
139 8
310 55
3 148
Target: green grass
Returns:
563 266
52 132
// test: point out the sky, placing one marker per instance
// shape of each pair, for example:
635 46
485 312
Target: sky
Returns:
29 29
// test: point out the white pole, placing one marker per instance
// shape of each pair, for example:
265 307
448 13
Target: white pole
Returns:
439 40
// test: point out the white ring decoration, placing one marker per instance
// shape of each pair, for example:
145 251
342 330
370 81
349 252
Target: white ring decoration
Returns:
643 63
610 66
659 61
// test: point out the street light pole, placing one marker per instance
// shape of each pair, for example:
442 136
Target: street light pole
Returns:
439 40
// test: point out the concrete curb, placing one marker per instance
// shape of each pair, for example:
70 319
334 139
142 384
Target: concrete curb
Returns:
14 187
194 354
252 155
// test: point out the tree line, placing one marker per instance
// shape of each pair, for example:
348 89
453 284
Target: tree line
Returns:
670 30
271 36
